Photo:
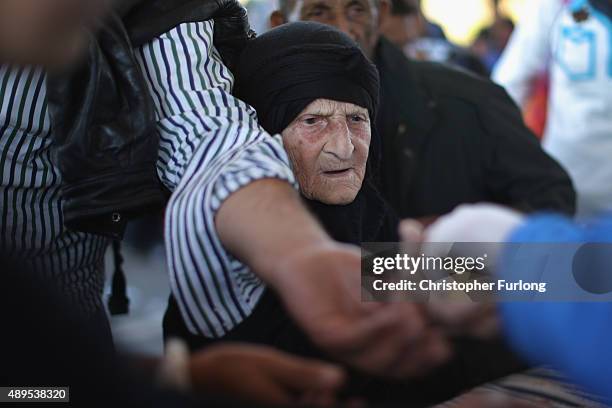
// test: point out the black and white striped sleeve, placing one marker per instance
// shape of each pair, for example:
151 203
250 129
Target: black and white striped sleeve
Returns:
211 146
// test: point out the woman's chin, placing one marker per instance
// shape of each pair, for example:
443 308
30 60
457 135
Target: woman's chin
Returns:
338 197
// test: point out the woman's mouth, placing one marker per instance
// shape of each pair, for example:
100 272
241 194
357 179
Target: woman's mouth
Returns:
337 173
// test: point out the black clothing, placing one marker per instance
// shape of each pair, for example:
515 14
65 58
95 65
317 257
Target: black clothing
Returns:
44 344
282 71
367 219
450 138
464 58
104 126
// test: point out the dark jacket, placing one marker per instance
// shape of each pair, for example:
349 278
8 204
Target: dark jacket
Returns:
449 137
104 125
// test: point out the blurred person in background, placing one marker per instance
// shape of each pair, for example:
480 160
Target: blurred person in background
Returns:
447 137
432 30
489 45
571 41
407 27
491 41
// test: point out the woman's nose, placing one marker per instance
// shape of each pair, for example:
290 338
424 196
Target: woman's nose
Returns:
340 143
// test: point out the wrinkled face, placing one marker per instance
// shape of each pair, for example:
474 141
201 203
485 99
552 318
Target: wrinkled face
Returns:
328 144
356 18
47 32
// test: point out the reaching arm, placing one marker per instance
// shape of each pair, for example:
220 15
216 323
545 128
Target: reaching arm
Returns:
211 147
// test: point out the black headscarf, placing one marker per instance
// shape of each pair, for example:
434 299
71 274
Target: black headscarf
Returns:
284 70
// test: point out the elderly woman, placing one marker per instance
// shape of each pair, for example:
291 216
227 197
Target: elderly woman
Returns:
312 85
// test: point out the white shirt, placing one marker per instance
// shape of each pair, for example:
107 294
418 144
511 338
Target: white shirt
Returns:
578 57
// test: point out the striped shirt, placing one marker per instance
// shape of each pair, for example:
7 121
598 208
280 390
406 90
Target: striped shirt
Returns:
211 146
30 199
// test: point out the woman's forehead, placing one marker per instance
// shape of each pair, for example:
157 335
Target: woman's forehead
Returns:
328 107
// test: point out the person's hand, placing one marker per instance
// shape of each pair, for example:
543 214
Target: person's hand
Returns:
321 289
266 226
488 223
263 375
478 223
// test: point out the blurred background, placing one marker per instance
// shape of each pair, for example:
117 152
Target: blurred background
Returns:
461 20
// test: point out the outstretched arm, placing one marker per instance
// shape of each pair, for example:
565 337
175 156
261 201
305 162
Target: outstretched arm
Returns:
234 221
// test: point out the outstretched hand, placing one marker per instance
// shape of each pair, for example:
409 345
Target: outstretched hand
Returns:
321 290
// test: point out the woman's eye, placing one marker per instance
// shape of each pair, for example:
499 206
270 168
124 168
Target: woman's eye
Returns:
357 118
311 120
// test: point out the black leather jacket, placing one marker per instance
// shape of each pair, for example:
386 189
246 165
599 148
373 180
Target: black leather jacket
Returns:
104 127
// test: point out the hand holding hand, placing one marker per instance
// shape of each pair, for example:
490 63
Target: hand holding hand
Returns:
321 290
479 223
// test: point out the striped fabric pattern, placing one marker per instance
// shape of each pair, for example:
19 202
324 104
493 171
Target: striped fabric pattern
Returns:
30 199
211 146
545 386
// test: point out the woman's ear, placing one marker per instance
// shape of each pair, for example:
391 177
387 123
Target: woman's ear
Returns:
277 18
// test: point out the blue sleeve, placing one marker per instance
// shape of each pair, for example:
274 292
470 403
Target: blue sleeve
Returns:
574 338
